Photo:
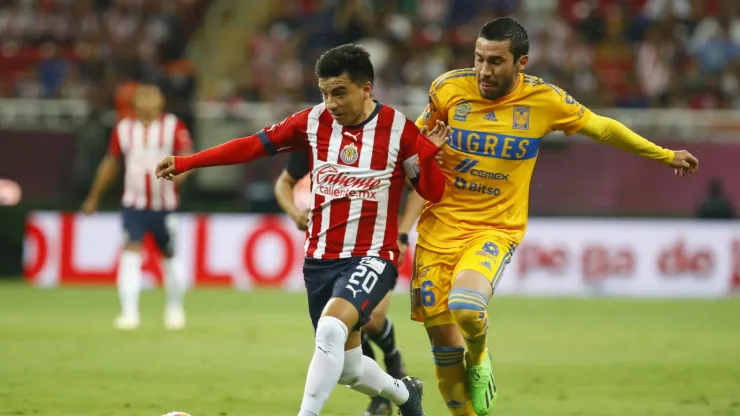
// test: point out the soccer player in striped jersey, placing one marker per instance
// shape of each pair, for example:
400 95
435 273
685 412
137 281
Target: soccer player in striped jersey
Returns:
148 203
361 151
379 330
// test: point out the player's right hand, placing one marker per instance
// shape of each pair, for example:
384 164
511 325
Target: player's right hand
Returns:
439 133
684 163
89 206
300 218
166 168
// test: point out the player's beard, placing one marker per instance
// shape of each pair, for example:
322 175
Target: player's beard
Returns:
503 88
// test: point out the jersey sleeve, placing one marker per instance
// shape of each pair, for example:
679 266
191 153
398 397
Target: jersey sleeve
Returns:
286 136
408 152
297 166
114 146
569 115
183 143
434 110
417 156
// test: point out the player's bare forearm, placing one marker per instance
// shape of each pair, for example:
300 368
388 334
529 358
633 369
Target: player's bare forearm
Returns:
284 194
616 134
104 177
414 206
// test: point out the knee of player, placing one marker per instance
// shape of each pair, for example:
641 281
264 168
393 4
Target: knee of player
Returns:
447 356
331 334
467 305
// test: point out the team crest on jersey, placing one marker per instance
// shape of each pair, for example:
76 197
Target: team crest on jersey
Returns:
349 154
521 118
462 110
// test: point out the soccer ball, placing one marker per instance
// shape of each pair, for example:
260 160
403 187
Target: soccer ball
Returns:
176 414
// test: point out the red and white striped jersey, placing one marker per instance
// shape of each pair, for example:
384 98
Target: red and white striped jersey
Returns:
143 147
357 178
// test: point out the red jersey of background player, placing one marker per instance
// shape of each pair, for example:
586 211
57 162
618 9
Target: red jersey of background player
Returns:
142 147
357 175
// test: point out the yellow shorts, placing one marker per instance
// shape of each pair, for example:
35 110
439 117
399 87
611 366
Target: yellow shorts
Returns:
434 273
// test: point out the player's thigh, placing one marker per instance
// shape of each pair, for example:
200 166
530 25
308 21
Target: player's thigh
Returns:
134 228
319 277
430 286
364 284
482 265
163 226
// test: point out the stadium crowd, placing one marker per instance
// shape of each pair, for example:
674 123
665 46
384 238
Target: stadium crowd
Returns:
636 53
88 48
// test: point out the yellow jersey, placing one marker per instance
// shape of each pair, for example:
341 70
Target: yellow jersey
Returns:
490 156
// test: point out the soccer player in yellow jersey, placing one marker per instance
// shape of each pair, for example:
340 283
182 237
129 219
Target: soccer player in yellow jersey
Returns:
498 117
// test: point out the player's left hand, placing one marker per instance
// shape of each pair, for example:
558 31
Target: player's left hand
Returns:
438 135
166 168
684 163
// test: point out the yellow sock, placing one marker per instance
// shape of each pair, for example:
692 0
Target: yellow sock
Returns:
450 369
468 308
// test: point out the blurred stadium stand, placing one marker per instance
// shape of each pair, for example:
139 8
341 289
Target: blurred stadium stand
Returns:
668 68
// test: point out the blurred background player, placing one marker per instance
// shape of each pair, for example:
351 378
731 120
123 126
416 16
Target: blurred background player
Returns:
716 204
498 116
362 151
148 203
380 328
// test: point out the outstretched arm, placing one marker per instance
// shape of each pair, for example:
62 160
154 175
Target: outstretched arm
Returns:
287 135
614 133
233 152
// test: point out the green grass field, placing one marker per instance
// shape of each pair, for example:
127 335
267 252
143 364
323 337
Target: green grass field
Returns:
247 354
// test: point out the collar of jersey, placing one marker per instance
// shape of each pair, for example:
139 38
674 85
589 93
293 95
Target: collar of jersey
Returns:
372 115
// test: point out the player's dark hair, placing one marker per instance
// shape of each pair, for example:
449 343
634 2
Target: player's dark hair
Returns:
506 28
351 59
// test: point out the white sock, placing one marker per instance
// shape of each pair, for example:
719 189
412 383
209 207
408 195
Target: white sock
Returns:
326 365
363 374
129 282
174 284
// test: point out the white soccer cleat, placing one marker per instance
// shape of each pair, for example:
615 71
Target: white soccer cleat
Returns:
174 318
127 322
